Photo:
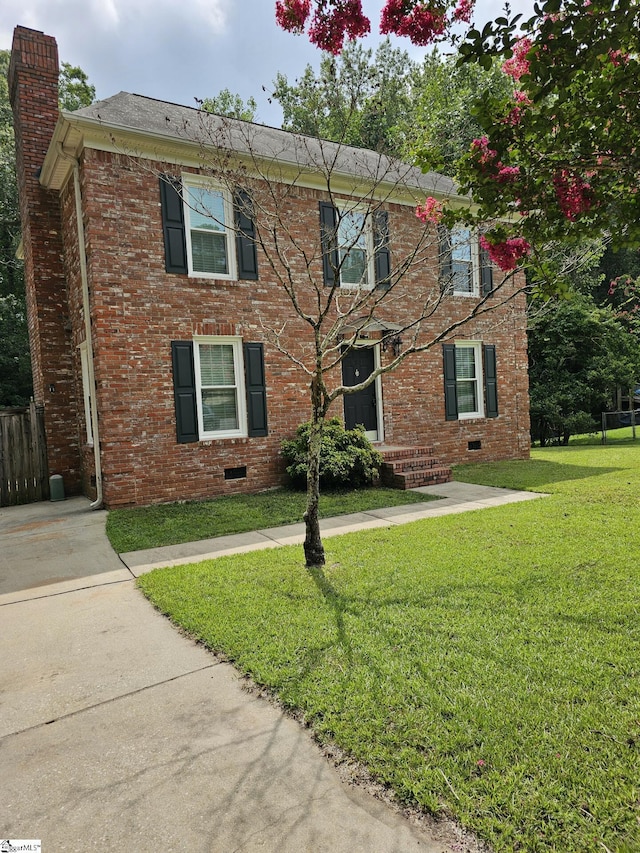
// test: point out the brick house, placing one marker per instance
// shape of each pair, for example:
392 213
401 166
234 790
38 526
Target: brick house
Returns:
159 322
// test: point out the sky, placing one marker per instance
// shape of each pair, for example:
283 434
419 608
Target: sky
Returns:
183 50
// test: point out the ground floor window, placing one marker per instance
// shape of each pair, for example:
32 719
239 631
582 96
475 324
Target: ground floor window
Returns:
220 386
470 380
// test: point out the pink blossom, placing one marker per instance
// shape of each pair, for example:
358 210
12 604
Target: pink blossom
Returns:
507 254
421 23
330 27
508 174
617 57
573 194
518 64
292 15
463 11
480 148
481 762
430 211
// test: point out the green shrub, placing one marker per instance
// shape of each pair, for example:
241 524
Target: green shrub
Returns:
347 458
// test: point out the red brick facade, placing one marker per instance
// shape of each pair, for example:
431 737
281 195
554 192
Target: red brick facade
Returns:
138 309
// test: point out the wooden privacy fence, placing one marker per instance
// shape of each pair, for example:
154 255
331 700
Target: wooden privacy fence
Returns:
24 473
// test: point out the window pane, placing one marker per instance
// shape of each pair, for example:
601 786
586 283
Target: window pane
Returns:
219 410
354 267
467 397
465 363
216 364
206 209
462 276
352 242
461 244
351 230
209 252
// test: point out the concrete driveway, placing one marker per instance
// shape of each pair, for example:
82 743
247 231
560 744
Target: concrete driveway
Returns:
117 732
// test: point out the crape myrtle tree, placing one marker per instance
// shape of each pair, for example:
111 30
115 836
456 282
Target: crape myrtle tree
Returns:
324 277
562 148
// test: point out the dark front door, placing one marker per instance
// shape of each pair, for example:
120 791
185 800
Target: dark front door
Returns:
360 407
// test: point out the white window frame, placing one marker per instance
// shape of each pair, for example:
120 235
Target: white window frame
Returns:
367 231
474 246
476 346
199 182
86 390
241 398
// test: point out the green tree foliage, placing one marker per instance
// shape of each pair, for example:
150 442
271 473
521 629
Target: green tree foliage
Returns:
359 98
578 355
446 98
226 103
11 278
74 89
569 135
15 362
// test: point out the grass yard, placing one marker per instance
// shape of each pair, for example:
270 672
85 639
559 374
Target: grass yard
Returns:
170 524
485 664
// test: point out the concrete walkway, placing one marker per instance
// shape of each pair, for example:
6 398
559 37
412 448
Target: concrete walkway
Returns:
117 732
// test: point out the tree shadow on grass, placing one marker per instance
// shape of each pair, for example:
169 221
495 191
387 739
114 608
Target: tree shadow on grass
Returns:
528 474
338 605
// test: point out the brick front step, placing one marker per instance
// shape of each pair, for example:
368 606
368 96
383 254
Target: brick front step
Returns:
410 467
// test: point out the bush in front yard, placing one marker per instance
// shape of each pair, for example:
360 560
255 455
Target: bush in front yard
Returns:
347 458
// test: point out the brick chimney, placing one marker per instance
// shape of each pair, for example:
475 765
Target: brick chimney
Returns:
33 90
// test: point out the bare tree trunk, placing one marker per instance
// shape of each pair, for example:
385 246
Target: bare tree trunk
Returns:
313 547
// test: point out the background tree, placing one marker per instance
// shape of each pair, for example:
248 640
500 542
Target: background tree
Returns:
15 362
226 103
74 89
578 355
446 98
359 98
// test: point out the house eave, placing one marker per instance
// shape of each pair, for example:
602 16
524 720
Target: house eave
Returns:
75 132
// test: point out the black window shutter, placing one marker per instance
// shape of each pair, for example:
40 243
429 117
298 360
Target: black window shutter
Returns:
382 256
486 272
184 391
175 246
445 270
490 381
245 236
450 393
256 389
328 225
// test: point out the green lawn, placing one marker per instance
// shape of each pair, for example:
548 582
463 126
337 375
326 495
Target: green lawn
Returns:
136 528
485 664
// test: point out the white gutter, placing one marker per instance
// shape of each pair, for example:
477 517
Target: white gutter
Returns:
97 504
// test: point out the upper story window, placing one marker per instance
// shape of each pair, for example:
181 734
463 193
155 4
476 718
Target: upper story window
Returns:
464 278
355 247
210 231
465 269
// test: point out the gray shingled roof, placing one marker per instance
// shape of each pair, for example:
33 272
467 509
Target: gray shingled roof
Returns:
187 124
